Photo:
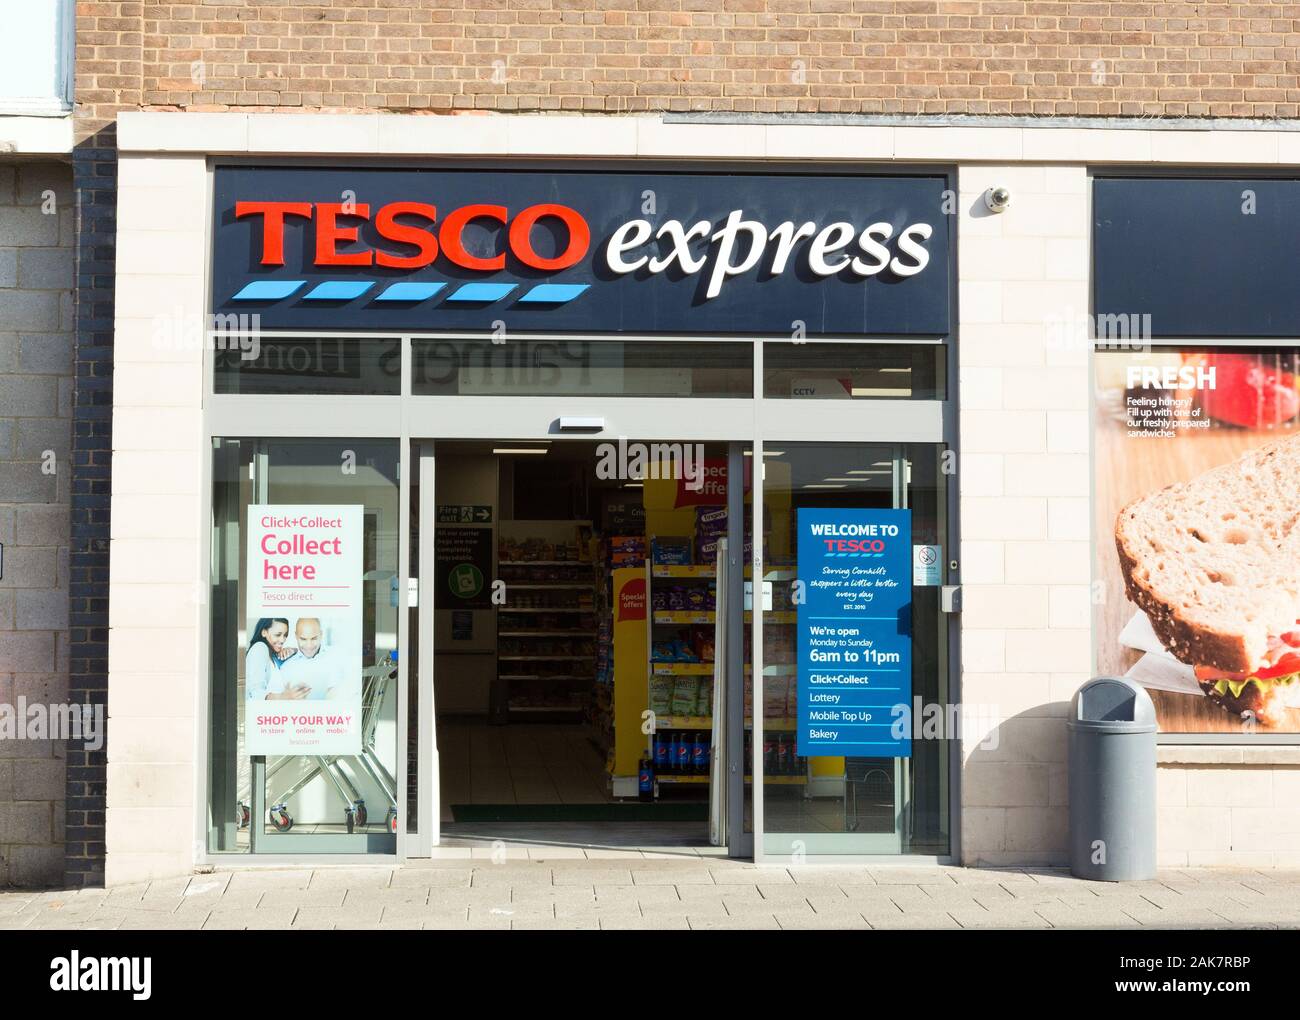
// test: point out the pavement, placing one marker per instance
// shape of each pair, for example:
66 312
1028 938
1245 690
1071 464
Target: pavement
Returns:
615 889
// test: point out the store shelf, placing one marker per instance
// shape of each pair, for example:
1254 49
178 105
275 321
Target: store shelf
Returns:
775 616
557 585
551 609
545 658
686 570
544 563
674 779
775 725
547 676
682 668
781 780
683 722
544 633
683 616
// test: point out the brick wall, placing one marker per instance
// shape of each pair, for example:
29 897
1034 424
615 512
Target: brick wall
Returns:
36 258
1169 59
108 80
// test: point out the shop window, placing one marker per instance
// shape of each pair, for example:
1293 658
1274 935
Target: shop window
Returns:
343 366
36 74
846 371
668 368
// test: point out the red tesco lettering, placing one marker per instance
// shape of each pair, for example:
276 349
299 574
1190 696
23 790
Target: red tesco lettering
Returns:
411 224
872 545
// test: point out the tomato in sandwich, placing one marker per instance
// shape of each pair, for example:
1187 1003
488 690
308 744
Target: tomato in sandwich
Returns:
1286 665
1266 692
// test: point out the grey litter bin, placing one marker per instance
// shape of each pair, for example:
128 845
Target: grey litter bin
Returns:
1112 766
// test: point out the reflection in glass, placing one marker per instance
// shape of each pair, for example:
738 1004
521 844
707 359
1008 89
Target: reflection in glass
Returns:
846 371
669 368
349 366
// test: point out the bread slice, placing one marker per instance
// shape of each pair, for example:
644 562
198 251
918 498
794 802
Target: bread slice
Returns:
1214 562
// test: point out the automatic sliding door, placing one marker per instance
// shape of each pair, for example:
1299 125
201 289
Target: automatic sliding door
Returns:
844 769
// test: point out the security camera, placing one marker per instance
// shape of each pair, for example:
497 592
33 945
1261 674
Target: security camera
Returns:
997 199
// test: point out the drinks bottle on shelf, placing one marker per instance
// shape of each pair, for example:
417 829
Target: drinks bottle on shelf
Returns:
645 779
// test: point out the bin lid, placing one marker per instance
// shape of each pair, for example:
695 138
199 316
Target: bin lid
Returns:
1113 703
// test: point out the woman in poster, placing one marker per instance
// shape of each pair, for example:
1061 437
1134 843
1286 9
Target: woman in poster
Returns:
266 654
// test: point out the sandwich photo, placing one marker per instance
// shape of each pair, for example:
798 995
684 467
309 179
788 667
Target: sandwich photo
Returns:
1214 563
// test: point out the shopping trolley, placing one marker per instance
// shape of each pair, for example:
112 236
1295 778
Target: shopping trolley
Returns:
374 686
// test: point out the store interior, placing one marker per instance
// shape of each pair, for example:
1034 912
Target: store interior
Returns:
541 686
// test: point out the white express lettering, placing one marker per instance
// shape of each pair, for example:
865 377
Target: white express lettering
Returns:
740 245
681 248
726 238
631 234
908 244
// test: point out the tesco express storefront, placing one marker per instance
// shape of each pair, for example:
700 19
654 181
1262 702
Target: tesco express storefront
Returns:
408 417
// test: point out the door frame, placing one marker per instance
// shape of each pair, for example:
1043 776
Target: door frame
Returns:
423 453
892 423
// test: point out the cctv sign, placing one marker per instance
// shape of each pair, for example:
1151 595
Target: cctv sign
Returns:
582 252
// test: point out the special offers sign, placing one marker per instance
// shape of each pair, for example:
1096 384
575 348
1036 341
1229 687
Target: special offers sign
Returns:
358 248
303 653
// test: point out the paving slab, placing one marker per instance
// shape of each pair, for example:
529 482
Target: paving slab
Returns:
692 876
591 876
643 923
754 922
928 921
697 908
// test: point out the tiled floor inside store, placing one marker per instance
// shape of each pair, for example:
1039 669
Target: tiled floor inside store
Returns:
537 763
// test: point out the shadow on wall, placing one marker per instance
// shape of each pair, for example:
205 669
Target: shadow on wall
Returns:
1014 790
37 256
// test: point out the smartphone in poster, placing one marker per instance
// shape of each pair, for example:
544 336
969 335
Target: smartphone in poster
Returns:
854 644
1198 549
302 664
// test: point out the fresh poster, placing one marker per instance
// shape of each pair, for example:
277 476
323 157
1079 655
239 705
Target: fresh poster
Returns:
302 655
854 650
1198 534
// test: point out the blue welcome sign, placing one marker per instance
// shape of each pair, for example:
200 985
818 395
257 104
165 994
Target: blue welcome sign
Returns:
854 644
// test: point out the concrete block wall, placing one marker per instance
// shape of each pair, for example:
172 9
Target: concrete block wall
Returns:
1226 806
1025 476
37 216
157 539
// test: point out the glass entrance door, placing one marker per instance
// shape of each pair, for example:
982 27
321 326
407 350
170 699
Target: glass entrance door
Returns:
886 792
